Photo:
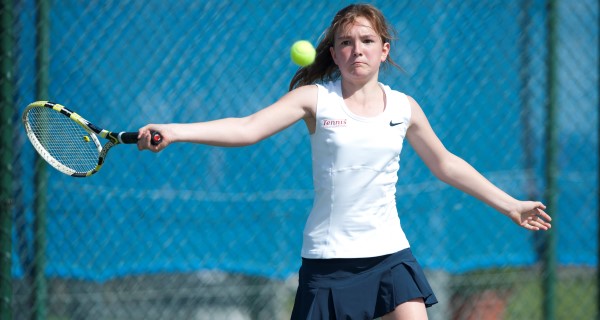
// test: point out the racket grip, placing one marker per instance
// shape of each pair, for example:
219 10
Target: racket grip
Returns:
128 137
132 138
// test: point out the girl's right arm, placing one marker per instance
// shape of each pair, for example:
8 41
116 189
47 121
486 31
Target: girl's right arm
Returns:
297 104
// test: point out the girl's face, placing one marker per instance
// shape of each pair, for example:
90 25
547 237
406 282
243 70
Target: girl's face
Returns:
358 50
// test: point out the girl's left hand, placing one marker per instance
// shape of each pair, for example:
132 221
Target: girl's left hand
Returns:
531 215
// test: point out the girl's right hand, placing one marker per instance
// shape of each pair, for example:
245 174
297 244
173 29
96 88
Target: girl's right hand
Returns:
145 136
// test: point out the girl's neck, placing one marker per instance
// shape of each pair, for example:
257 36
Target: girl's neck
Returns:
351 89
364 100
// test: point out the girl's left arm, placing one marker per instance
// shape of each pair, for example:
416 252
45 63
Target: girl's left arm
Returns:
458 173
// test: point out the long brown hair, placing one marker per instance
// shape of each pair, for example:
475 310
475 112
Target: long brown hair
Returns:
324 68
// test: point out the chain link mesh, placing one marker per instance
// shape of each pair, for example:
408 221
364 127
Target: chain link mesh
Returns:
196 232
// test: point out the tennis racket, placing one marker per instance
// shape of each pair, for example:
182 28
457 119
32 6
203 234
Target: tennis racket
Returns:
70 143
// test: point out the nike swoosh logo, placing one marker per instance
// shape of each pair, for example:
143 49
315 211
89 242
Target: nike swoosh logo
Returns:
395 124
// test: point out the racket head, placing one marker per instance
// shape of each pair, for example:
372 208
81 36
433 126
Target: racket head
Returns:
64 141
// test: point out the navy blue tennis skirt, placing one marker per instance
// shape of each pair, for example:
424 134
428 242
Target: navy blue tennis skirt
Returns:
363 288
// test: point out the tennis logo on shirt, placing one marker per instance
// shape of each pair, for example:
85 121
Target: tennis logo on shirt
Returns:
334 123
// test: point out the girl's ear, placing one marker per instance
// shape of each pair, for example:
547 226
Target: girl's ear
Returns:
385 51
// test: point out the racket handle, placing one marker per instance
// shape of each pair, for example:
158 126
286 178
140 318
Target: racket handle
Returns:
132 138
128 137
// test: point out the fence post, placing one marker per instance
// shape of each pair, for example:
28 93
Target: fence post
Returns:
6 110
39 294
549 255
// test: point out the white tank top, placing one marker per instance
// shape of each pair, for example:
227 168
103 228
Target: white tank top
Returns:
355 169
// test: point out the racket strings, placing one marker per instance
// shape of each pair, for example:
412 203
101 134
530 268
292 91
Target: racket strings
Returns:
64 140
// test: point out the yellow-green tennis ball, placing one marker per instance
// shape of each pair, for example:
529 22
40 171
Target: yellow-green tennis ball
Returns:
86 138
303 53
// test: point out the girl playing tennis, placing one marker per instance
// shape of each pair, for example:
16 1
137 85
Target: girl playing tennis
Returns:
356 260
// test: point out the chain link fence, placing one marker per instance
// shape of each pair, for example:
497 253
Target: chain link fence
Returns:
197 232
